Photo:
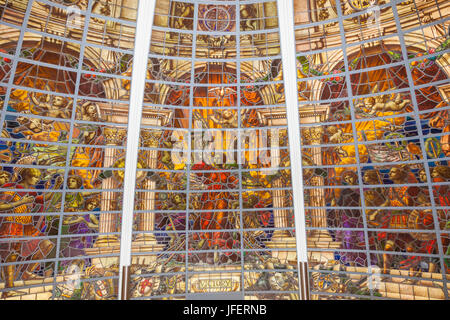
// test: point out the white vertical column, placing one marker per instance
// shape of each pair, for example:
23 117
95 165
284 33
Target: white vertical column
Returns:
145 15
287 43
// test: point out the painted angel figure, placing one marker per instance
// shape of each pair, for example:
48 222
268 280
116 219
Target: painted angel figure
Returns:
226 118
337 136
56 107
89 112
383 103
28 126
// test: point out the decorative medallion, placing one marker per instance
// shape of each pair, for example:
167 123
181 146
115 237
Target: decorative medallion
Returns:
217 18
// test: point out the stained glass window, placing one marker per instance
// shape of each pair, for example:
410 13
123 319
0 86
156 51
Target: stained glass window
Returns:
65 90
373 100
212 165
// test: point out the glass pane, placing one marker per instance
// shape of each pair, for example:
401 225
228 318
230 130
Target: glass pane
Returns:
373 104
213 211
65 81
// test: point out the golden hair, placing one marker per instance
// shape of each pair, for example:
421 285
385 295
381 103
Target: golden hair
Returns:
78 179
373 175
30 172
349 173
370 100
6 173
332 129
443 171
403 170
96 201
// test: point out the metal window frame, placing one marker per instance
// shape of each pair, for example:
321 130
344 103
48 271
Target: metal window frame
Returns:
136 102
286 25
144 25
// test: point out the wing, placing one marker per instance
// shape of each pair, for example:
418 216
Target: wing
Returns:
375 88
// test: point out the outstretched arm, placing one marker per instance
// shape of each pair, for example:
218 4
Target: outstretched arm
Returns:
93 223
10 205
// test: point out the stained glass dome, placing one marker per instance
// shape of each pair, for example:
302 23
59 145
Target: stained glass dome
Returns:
252 149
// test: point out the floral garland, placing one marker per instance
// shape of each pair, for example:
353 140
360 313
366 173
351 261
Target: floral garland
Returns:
121 67
426 61
6 60
334 76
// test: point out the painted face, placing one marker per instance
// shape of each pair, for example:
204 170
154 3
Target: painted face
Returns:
350 179
58 101
3 179
394 173
423 175
72 183
90 206
434 173
227 114
90 109
32 180
277 280
369 103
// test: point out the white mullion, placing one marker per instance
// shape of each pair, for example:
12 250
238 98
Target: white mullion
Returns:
144 24
287 44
